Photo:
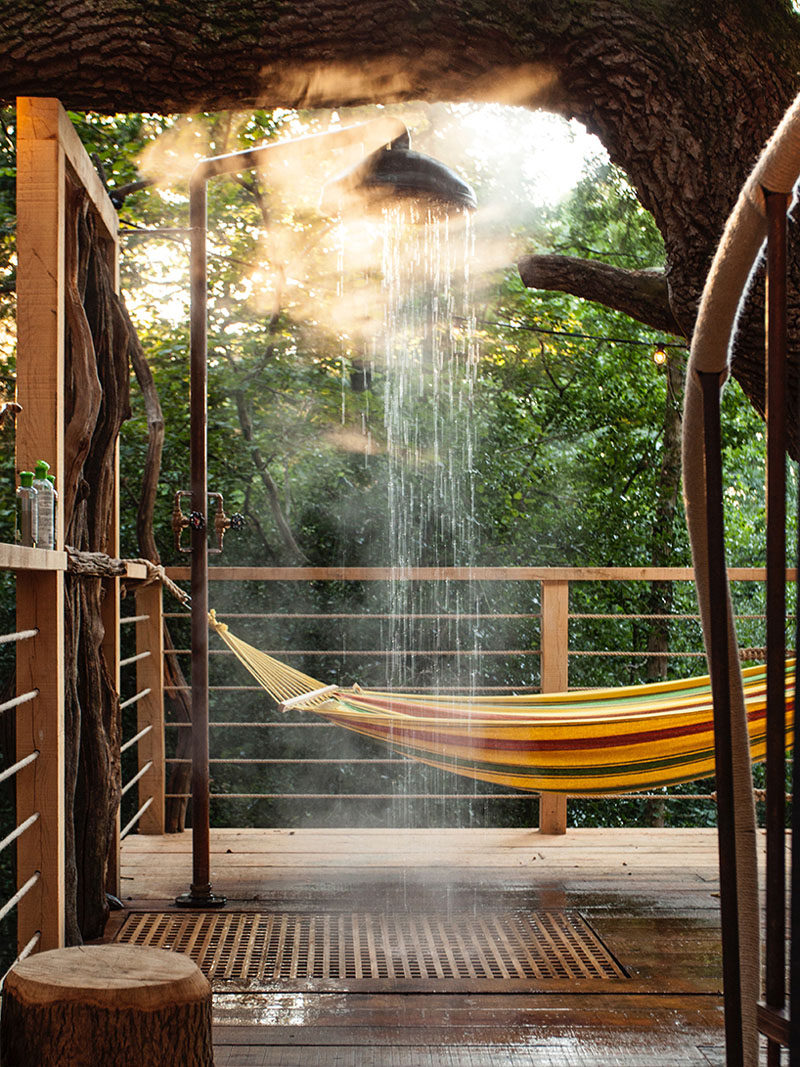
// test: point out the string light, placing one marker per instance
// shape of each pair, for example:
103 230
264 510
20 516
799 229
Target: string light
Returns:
660 356
662 345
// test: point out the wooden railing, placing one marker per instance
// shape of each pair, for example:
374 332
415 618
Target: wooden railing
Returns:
554 652
39 766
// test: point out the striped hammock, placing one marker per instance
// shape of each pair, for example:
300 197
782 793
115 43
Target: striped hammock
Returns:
600 741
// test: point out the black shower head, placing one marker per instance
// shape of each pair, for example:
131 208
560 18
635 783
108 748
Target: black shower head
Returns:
394 174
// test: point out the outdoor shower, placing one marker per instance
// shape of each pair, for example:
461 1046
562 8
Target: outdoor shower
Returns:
390 173
393 174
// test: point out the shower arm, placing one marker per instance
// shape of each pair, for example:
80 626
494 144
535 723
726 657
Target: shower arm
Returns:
370 135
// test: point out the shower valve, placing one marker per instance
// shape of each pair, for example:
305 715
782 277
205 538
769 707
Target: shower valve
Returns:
196 520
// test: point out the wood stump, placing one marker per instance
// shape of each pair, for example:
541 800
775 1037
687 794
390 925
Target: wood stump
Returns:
105 1006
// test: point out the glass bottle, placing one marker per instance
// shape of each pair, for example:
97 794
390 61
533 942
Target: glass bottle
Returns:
27 512
45 505
52 480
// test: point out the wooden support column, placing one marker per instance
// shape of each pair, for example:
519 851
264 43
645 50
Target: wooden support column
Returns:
40 435
111 653
150 675
555 679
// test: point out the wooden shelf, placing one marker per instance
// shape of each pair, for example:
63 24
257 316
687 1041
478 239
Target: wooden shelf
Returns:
22 558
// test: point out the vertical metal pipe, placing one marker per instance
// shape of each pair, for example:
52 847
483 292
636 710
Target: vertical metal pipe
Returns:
723 747
775 982
200 894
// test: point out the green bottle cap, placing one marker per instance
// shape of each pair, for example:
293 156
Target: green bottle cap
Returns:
26 478
42 467
51 479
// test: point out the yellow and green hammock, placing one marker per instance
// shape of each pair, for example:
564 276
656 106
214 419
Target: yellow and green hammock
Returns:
599 741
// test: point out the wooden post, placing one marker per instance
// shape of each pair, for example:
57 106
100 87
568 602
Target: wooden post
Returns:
111 653
150 675
40 435
555 679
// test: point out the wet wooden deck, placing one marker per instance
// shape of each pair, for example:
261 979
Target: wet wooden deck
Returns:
650 895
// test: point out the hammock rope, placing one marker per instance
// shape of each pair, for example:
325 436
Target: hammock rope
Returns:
600 741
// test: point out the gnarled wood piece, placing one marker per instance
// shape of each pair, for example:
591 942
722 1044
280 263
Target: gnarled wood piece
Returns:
96 387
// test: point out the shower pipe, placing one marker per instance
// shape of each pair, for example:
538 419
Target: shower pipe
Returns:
369 135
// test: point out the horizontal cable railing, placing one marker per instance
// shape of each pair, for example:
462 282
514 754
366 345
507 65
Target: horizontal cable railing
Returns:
458 638
34 818
145 765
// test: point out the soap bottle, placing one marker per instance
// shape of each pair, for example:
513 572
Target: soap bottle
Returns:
27 512
45 505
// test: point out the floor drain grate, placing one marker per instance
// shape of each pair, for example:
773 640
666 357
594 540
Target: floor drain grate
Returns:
258 949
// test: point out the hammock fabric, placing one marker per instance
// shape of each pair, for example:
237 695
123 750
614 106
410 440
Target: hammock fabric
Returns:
601 741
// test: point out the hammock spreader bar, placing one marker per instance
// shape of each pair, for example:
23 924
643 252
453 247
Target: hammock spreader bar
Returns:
601 741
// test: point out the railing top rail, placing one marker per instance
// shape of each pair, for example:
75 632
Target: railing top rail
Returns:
465 574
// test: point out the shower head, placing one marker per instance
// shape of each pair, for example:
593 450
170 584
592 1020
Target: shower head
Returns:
394 174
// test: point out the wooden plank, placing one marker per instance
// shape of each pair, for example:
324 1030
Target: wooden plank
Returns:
19 557
111 586
486 574
150 709
40 289
555 679
39 435
87 176
40 786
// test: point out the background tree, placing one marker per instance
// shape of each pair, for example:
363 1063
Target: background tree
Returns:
681 95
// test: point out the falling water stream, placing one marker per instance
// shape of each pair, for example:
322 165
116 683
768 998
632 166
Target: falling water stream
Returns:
423 362
429 363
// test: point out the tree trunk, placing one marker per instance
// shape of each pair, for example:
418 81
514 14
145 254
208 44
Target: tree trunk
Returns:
96 387
106 1005
683 95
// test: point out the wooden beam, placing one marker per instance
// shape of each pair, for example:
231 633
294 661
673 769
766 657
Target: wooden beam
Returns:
111 585
40 289
40 435
40 785
555 679
20 557
150 709
465 574
87 176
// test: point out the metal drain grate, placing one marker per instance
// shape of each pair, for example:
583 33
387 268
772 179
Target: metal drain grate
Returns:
257 949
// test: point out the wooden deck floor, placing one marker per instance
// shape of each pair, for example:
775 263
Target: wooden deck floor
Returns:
650 895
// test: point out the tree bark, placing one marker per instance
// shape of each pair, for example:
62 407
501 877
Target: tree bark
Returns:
96 387
642 294
683 95
106 1005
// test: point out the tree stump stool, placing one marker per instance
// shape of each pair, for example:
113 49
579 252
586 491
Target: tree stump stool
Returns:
105 1006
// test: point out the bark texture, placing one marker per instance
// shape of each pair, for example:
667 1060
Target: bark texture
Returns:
96 387
683 93
110 1005
642 294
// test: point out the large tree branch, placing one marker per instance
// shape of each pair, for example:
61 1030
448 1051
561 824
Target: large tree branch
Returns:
642 294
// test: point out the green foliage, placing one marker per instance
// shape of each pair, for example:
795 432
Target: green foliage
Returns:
569 420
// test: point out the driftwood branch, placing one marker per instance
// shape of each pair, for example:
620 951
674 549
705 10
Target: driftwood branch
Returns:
642 294
94 564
